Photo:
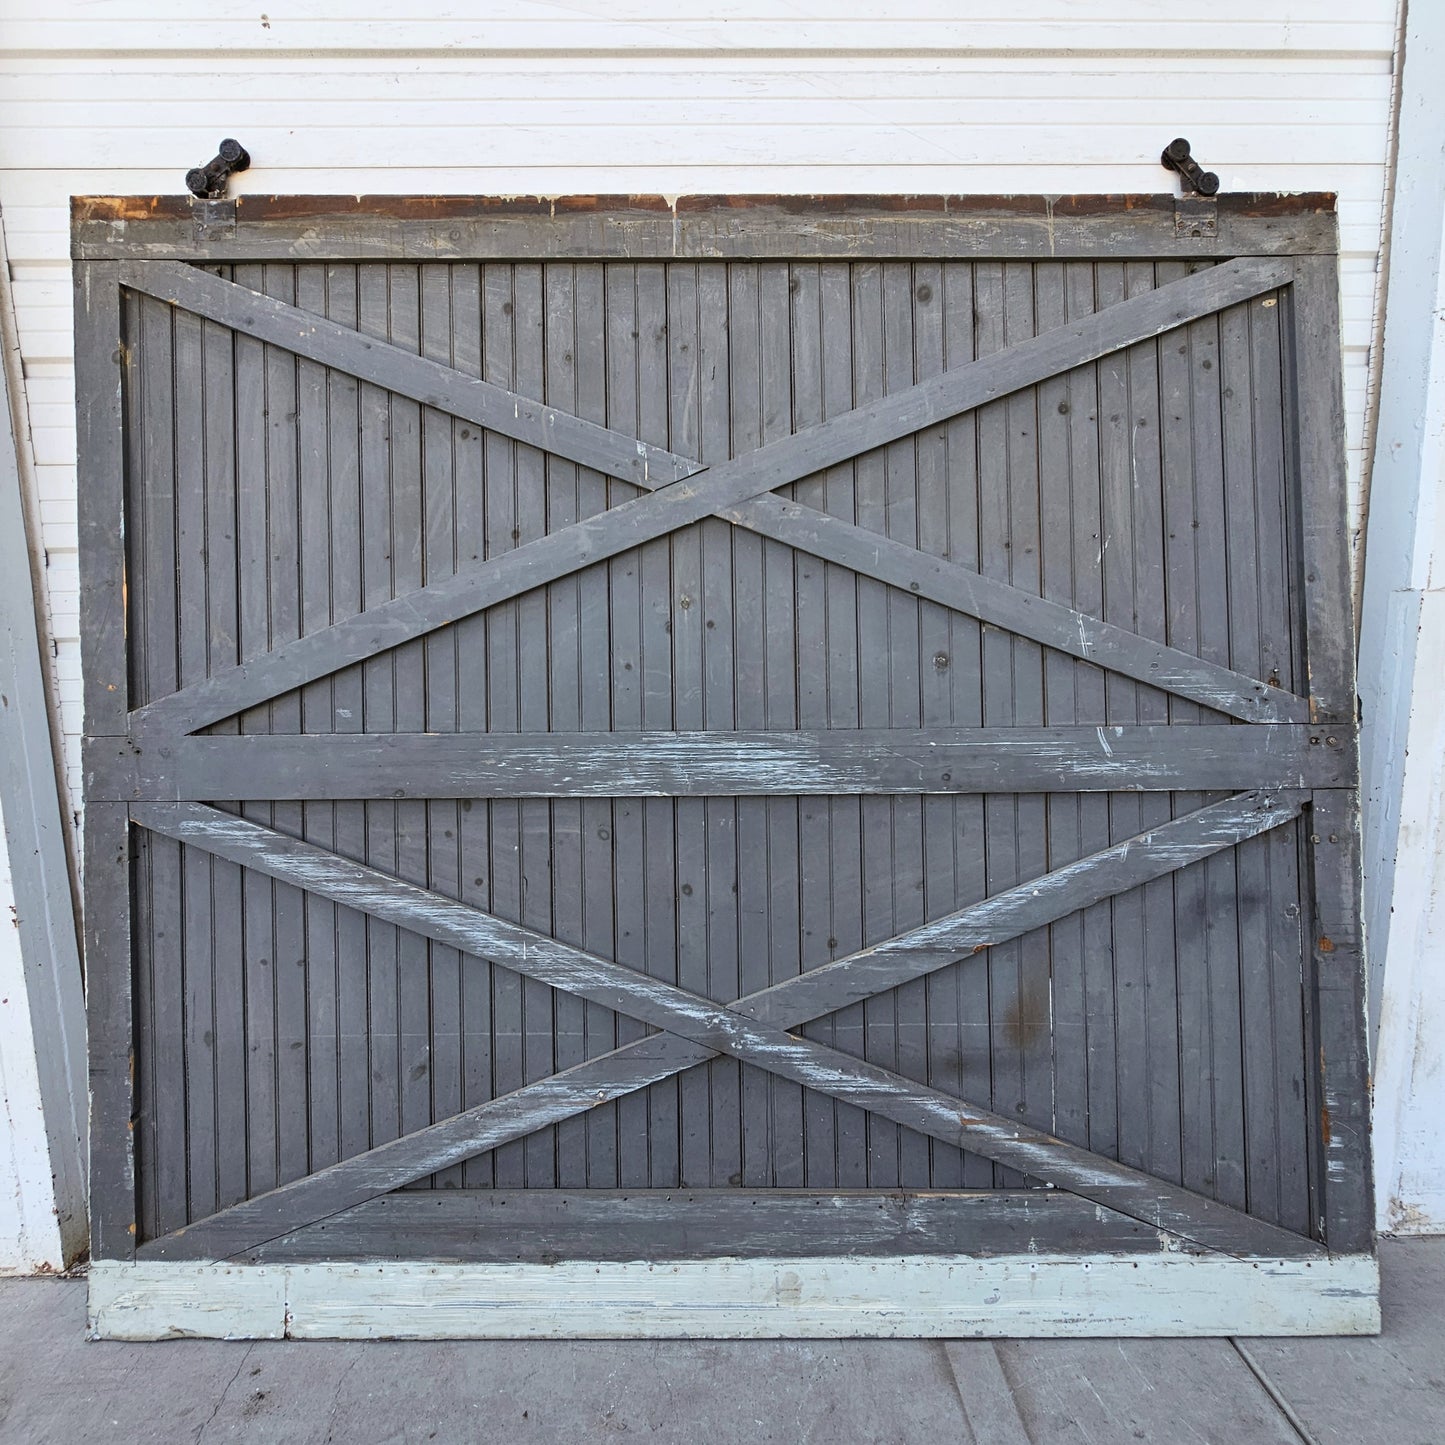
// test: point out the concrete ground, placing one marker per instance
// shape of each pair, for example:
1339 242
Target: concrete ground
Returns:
56 1387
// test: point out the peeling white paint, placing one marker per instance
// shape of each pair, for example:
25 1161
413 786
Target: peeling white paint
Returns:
1030 1295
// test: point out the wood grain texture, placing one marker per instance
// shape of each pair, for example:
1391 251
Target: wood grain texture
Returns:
1147 757
1043 1295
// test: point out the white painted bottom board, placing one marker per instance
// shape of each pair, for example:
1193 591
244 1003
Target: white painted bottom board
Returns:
1015 1296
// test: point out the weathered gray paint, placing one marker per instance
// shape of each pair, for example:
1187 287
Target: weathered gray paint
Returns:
620 527
828 988
518 764
1150 758
538 1226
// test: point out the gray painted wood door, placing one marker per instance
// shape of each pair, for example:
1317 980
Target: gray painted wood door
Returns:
747 729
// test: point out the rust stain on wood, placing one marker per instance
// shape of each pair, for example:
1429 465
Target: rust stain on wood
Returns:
441 207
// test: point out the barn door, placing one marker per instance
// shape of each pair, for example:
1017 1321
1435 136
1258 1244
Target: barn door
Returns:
750 733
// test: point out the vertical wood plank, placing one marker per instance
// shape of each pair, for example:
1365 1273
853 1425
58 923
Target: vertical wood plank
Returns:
284 583
843 625
379 712
1090 705
810 602
472 457
441 818
659 816
197 927
499 351
348 514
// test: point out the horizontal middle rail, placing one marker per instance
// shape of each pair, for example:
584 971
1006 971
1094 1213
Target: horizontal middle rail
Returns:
1134 758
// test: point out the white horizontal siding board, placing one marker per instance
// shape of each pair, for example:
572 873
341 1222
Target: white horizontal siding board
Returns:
682 135
1293 27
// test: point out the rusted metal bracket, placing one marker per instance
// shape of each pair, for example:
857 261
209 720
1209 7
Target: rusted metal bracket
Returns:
1192 176
1196 218
213 221
209 181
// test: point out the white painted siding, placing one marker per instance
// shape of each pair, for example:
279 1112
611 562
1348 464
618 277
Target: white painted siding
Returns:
649 96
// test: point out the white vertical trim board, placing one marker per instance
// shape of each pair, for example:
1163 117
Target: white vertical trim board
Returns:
29 1229
1017 1296
1402 659
42 1010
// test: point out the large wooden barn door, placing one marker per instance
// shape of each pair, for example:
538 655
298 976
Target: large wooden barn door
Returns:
668 734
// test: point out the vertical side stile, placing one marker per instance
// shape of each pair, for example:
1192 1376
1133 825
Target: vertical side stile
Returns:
100 349
162 1061
1345 1209
440 818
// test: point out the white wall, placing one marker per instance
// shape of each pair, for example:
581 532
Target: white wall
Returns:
1402 662
1052 96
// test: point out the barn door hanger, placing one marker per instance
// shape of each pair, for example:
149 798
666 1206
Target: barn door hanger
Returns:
1192 176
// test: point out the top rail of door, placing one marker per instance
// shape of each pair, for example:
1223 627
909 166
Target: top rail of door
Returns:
463 228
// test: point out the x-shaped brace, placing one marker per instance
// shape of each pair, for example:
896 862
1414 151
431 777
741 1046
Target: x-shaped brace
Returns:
754 1029
683 492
